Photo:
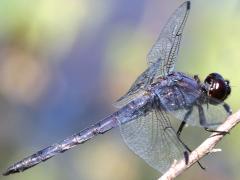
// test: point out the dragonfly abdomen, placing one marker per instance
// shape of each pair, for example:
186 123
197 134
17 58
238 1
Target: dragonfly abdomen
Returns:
99 128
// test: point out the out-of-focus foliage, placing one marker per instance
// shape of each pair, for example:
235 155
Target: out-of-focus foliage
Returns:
62 64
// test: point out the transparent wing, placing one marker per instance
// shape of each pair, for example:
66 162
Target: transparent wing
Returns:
153 139
136 90
165 50
162 57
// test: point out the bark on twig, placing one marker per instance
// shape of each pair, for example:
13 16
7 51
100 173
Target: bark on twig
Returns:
205 148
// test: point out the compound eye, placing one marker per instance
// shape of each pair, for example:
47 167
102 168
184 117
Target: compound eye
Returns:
213 77
217 87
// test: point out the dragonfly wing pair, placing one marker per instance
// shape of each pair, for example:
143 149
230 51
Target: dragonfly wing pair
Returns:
152 136
163 55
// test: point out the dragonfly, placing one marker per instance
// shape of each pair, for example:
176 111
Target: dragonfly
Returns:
158 96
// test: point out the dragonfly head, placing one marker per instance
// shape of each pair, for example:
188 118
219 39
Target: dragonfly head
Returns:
217 87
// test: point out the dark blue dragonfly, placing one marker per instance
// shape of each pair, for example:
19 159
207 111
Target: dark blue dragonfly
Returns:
158 95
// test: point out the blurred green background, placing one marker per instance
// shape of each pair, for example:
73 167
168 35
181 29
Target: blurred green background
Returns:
64 62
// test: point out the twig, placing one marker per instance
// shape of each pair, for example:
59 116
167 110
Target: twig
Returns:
205 148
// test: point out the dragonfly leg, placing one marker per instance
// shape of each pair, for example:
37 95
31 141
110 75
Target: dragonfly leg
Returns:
179 131
197 79
227 108
186 155
220 132
203 122
184 122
